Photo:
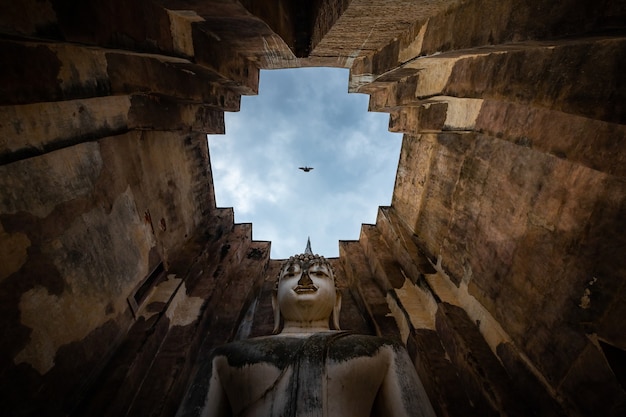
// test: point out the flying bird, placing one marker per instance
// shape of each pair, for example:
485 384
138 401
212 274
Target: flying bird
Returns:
306 169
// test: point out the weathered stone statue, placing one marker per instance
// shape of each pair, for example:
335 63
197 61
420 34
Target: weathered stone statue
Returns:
308 369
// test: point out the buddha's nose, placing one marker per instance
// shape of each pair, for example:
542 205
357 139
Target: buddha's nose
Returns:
305 279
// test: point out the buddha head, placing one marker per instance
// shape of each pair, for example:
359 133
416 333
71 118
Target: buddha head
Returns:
305 293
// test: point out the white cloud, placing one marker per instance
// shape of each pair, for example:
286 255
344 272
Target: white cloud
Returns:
255 165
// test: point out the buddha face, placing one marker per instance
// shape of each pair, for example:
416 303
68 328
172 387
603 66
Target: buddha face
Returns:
306 291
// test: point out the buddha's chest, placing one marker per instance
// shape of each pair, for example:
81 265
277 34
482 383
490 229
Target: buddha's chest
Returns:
304 387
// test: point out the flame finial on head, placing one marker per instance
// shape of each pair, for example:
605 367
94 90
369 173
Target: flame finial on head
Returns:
307 250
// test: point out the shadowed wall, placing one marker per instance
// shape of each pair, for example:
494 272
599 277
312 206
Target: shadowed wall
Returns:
499 262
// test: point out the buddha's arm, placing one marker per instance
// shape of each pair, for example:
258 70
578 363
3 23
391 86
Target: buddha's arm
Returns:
217 404
402 392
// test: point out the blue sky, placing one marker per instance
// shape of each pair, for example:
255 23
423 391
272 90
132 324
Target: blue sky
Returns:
301 117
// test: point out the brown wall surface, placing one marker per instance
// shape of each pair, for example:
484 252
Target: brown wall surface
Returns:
499 262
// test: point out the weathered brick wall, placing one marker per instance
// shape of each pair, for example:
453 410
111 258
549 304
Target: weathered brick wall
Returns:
510 181
105 179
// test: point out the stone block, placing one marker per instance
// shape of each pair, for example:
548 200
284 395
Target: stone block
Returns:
161 75
421 118
592 385
445 390
368 289
149 112
235 70
537 396
487 383
34 129
35 72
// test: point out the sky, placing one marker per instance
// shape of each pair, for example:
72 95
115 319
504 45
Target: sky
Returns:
304 117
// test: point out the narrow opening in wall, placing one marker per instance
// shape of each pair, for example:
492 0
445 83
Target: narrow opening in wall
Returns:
141 293
305 118
616 358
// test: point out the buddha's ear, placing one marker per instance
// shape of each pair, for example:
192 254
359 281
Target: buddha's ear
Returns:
276 309
336 311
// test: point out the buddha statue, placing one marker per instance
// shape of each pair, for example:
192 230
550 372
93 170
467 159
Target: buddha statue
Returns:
308 369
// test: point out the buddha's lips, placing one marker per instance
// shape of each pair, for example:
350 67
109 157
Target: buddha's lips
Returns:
302 289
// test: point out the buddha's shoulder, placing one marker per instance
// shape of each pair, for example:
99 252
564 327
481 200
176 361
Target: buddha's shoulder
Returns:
281 350
270 349
359 345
